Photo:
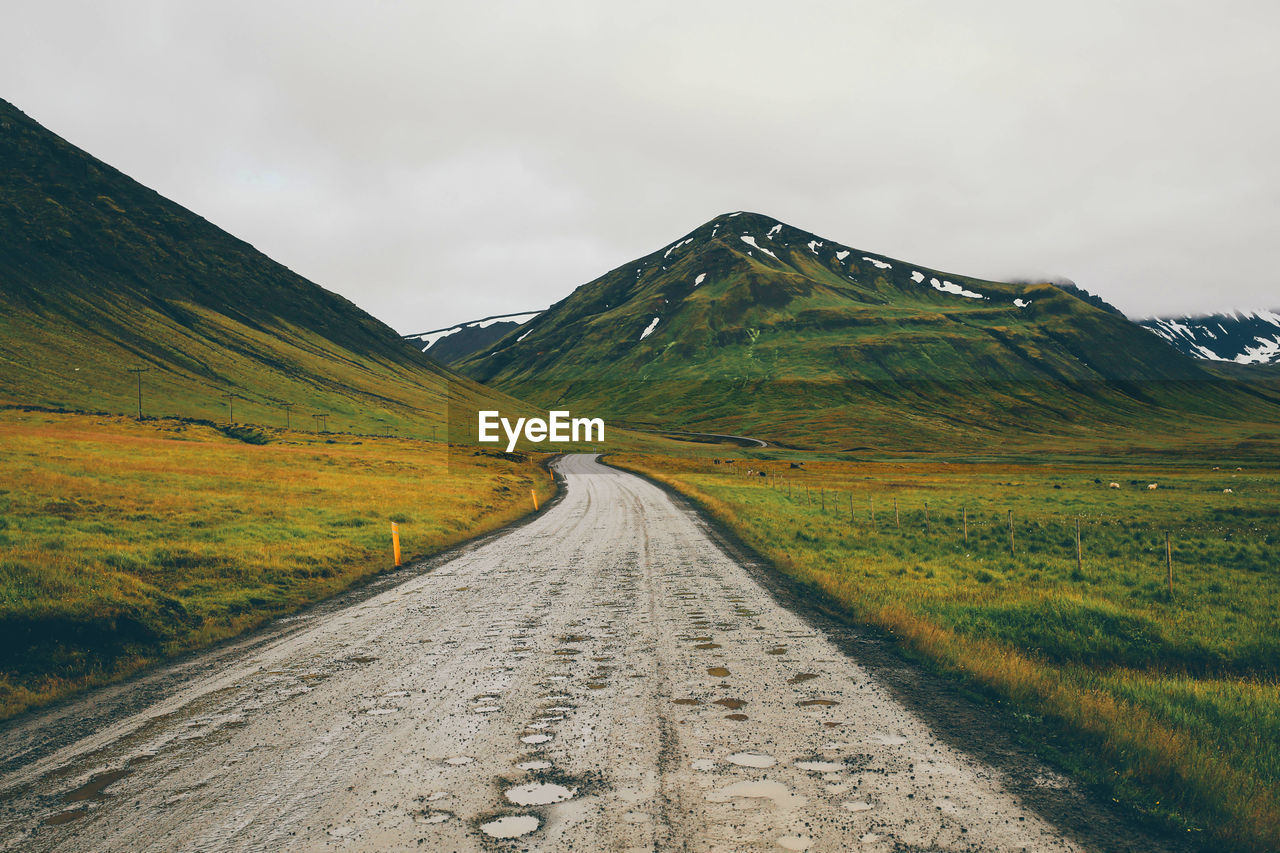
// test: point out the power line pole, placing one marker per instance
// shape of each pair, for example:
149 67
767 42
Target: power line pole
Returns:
287 407
231 406
321 422
139 371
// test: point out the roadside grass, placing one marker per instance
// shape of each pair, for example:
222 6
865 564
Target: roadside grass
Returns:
1171 704
123 542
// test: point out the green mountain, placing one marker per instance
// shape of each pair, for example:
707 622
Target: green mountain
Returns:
747 325
100 275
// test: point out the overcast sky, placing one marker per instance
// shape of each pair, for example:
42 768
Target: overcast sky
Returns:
441 161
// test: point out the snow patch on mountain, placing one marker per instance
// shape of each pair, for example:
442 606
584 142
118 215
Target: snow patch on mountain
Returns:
814 245
701 278
774 230
649 329
1244 337
675 246
840 256
948 287
880 265
751 241
429 339
917 276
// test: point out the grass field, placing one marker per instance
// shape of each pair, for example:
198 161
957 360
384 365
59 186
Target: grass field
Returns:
125 542
1170 703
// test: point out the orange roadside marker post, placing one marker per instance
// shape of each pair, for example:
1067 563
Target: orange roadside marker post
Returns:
533 494
395 541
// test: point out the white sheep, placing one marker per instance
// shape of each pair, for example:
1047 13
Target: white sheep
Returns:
1151 487
1115 485
1226 491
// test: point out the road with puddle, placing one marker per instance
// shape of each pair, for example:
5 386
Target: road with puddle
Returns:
604 677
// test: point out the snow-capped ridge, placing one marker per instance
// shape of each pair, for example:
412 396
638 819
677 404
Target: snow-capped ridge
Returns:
1236 335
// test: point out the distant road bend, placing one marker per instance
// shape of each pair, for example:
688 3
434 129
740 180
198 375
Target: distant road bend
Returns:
604 677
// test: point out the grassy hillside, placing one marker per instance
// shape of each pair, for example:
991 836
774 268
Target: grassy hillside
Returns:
125 542
1168 702
99 274
750 326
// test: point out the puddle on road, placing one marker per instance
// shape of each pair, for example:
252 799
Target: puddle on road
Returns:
817 703
567 652
820 766
596 685
802 677
777 650
534 765
66 817
731 704
707 646
687 701
736 717
765 790
758 760
511 826
718 671
93 789
539 794
535 738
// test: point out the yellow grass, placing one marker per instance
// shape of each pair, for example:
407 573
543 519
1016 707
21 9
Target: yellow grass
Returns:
125 542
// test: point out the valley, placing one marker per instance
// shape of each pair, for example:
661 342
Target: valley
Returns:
604 676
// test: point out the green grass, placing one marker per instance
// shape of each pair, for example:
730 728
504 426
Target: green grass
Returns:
1169 702
125 542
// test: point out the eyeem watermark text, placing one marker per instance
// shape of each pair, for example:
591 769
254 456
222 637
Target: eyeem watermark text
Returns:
560 426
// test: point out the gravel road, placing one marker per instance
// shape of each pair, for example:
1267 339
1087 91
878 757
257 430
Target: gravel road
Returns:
604 677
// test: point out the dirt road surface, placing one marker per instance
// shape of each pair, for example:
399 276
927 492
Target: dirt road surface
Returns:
604 677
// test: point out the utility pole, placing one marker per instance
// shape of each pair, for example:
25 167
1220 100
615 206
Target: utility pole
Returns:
139 371
287 407
231 406
321 422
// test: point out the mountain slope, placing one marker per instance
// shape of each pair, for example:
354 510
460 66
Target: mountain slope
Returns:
99 274
455 343
1245 337
749 325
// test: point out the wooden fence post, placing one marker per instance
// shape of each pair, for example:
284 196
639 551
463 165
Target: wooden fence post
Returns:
897 519
964 514
871 502
1079 556
926 516
1168 560
1011 551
